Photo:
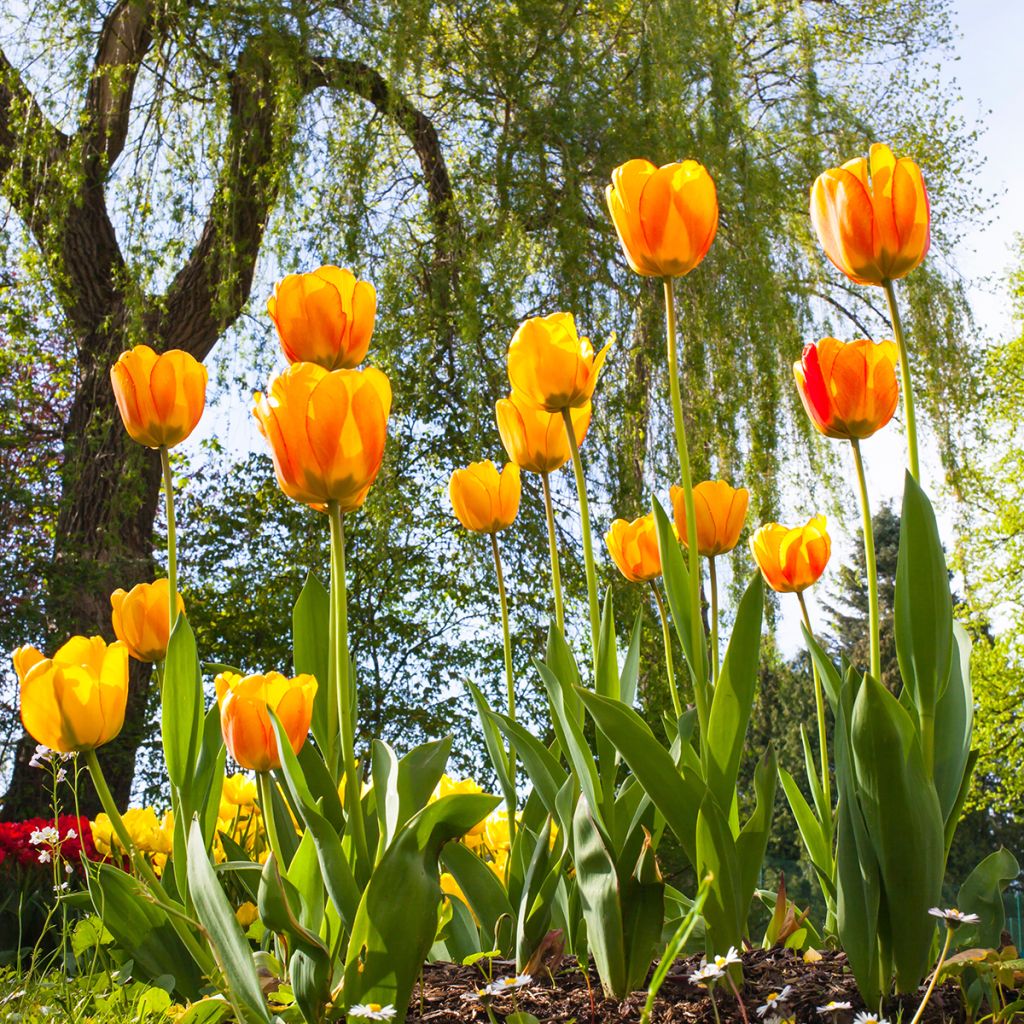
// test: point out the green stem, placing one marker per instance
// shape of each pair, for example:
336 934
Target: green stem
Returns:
265 783
172 542
556 575
869 564
699 683
338 669
714 619
666 637
905 382
935 975
509 677
147 874
819 699
588 547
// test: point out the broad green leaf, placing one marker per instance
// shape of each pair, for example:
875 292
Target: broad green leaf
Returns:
811 832
607 685
923 608
304 875
831 679
717 855
311 626
753 838
322 784
207 1011
492 741
534 918
181 703
559 658
643 914
543 768
954 720
419 772
483 891
982 894
385 789
229 945
825 813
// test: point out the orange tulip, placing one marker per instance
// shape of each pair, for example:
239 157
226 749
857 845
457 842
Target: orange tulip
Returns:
874 230
139 617
848 389
720 511
666 217
535 439
76 699
484 500
325 317
245 706
551 366
792 559
160 397
326 431
634 548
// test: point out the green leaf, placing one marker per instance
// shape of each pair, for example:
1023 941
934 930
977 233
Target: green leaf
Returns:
724 911
207 1011
733 697
753 838
630 676
543 768
811 832
535 904
483 891
982 894
954 721
392 936
385 787
492 741
923 610
181 703
559 658
227 941
419 772
643 914
311 624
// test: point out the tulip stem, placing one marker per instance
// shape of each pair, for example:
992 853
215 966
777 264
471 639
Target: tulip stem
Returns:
588 546
265 784
172 542
339 672
142 866
905 382
556 576
696 643
819 699
714 619
509 678
935 974
666 637
869 564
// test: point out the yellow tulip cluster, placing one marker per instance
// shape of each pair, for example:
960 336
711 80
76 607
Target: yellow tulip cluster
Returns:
490 839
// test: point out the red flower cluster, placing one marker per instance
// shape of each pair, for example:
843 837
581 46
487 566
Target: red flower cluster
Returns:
72 841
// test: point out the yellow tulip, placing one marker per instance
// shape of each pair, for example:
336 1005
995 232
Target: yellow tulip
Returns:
247 914
324 317
239 790
326 431
76 699
720 511
160 397
484 500
665 217
245 705
139 617
551 366
792 559
634 548
535 438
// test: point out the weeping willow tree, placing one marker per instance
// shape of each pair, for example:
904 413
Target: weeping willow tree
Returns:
164 160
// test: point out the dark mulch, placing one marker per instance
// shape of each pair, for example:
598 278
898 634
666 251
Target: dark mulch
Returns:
568 996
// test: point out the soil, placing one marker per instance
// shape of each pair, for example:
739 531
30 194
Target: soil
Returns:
564 995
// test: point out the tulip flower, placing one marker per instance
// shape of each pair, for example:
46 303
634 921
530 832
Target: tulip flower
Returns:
160 397
534 438
551 366
874 229
634 548
792 559
76 699
848 389
484 500
140 618
666 217
326 431
325 317
245 703
720 511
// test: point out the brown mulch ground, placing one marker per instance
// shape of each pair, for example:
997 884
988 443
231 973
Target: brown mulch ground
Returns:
571 998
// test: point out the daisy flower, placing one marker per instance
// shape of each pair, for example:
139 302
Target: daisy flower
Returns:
732 957
509 984
954 917
706 973
372 1011
865 1017
834 1007
773 1001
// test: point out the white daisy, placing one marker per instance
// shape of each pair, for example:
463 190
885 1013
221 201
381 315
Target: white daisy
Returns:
774 1000
509 984
372 1011
865 1017
954 917
834 1007
732 957
706 973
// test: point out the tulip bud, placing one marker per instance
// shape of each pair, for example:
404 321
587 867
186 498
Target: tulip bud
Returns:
325 317
160 397
535 439
666 217
792 559
720 511
326 431
139 618
873 229
484 500
634 548
849 390
550 366
245 706
76 699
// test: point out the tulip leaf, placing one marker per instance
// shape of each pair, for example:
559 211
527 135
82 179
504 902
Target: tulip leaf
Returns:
492 741
384 770
543 768
607 685
923 608
227 941
811 832
753 838
542 876
322 785
419 772
391 937
954 721
717 856
484 893
311 623
733 698
643 913
982 894
181 703
630 677
559 658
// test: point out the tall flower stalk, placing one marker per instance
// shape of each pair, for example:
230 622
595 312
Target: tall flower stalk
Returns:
908 388
556 576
